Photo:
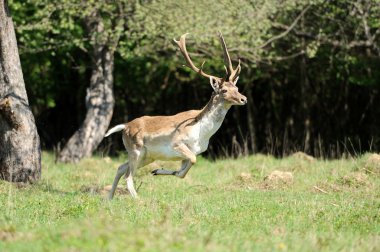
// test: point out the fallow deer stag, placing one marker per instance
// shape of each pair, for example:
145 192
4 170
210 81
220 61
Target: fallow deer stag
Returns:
182 136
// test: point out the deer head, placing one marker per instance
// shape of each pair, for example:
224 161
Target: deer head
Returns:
225 87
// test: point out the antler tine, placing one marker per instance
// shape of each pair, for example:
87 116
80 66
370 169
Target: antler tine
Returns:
231 72
227 58
237 71
182 46
227 74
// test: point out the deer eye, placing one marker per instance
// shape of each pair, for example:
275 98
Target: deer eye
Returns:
224 91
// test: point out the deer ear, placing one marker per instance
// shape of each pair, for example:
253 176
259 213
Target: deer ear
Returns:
214 83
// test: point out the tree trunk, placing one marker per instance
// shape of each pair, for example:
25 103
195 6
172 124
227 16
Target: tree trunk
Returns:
251 120
306 96
99 100
20 153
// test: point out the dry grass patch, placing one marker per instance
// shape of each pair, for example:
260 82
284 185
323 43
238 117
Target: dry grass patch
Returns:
354 179
120 190
348 182
275 180
245 177
243 180
6 235
372 164
326 187
303 156
91 189
9 233
278 179
300 162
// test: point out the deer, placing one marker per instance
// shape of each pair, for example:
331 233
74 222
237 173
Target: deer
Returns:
179 137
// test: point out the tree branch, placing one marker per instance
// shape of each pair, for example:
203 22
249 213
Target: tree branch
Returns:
289 28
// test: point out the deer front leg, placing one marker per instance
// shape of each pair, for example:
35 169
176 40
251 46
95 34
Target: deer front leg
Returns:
186 165
189 161
163 172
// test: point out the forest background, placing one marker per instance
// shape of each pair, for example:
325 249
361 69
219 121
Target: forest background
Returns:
310 69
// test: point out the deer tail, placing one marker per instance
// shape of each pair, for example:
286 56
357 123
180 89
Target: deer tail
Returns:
115 129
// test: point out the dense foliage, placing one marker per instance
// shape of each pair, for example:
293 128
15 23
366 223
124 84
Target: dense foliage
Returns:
310 68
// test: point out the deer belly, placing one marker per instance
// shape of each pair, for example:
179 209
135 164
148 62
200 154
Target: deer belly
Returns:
162 152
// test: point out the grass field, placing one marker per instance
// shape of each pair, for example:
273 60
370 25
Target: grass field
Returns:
226 205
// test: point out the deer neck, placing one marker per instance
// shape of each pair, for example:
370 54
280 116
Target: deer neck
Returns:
212 115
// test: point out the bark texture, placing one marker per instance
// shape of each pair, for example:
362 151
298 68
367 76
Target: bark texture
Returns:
99 99
20 153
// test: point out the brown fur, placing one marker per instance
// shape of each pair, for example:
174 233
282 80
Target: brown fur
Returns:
156 125
138 128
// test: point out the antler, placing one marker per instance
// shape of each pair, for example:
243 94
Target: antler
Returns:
232 73
182 46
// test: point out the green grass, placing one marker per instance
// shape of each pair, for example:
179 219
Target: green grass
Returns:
220 206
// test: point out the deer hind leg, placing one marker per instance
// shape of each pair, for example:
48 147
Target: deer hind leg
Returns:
136 161
189 160
130 185
123 169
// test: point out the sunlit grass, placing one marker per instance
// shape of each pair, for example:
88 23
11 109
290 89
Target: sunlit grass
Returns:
222 206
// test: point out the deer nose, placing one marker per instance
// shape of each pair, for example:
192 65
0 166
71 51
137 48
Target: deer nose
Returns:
243 100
